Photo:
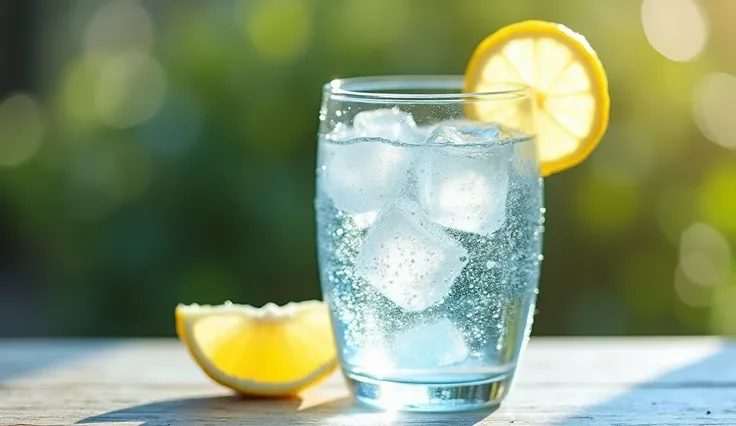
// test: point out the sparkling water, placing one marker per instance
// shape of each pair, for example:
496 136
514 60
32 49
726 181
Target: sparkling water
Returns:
429 244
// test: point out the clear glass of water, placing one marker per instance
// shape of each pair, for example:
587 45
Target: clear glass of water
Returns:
429 230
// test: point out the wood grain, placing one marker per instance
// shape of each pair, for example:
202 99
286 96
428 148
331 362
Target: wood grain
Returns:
562 381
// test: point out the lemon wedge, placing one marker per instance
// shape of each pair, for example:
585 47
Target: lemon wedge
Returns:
260 351
571 101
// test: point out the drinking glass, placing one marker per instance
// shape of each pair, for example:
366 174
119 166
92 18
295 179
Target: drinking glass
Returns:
429 223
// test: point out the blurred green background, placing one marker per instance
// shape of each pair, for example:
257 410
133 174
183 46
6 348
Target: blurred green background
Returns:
156 152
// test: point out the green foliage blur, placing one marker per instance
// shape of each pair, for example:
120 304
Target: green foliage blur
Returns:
167 155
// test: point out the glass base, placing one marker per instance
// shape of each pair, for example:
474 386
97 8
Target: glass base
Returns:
402 396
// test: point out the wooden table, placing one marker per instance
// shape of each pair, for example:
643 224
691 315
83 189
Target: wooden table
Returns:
562 381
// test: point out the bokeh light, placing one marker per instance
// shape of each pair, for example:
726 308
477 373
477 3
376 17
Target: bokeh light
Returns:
278 29
690 293
678 29
119 26
713 101
76 96
130 90
717 200
21 129
705 255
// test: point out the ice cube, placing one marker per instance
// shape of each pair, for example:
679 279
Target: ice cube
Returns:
469 131
460 132
465 187
392 124
409 259
363 175
341 132
421 133
430 345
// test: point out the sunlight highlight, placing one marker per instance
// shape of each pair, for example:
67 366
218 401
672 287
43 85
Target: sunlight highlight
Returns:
678 29
714 98
705 255
325 395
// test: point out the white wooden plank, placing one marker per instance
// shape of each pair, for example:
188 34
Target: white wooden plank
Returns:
626 381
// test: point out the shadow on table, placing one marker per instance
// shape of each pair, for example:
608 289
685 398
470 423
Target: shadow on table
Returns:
703 392
20 357
239 410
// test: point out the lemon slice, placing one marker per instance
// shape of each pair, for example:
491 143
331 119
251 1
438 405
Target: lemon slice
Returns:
260 351
571 101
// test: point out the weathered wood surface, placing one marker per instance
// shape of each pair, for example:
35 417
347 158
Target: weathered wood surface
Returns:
562 381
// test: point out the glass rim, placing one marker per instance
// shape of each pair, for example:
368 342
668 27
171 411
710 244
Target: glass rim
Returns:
387 88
